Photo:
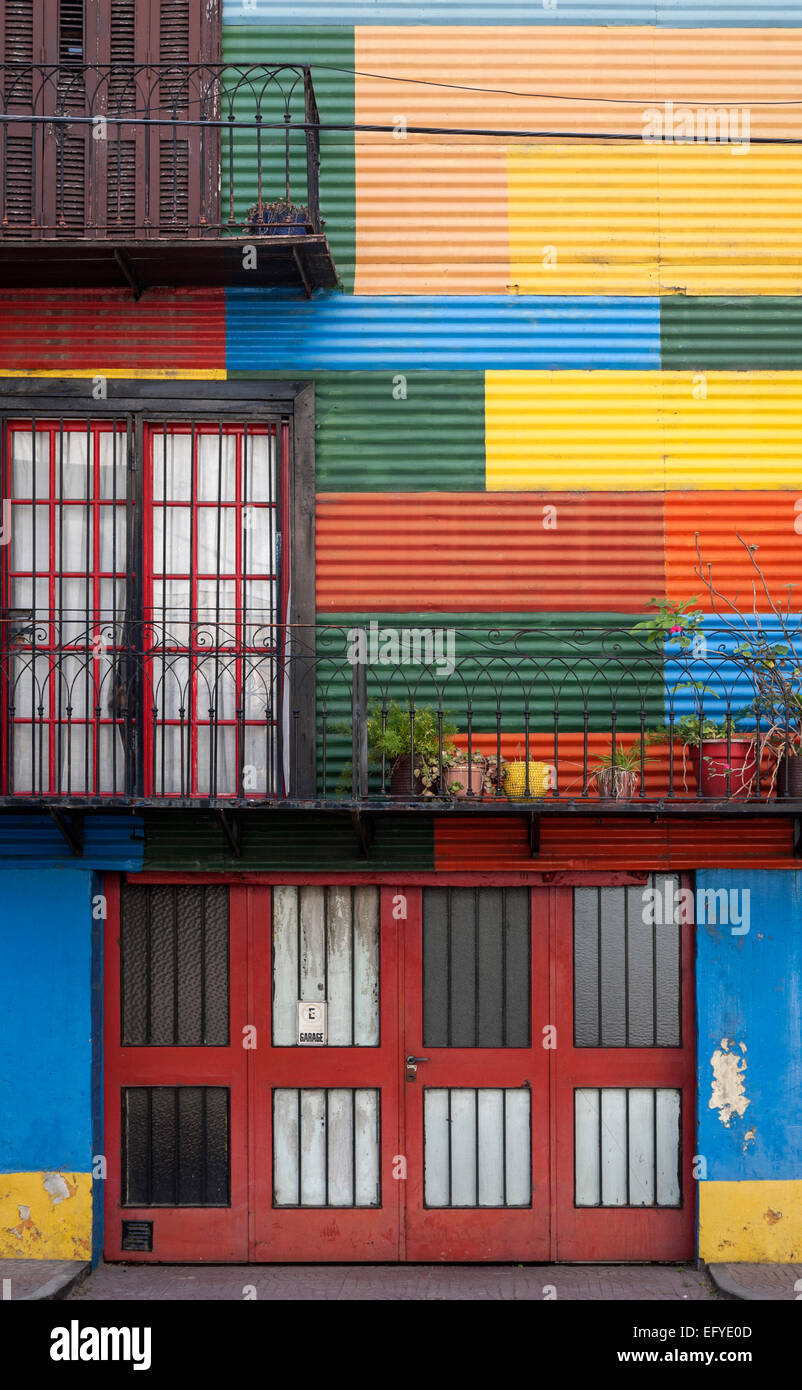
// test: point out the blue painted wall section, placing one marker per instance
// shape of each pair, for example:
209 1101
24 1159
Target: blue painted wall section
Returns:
680 14
109 842
45 1020
279 330
749 993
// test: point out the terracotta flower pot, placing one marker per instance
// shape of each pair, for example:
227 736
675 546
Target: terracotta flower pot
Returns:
465 775
620 782
718 762
404 782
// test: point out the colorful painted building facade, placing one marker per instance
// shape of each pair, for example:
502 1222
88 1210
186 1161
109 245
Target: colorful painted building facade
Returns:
515 372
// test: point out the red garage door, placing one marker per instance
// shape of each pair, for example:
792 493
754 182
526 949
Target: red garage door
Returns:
477 1073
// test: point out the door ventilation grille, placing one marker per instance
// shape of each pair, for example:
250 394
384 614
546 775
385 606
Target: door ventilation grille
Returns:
138 1235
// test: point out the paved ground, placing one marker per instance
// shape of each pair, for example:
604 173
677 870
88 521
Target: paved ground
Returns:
410 1282
760 1282
39 1279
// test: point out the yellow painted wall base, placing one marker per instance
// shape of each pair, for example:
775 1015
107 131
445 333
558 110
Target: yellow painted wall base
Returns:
757 1222
46 1216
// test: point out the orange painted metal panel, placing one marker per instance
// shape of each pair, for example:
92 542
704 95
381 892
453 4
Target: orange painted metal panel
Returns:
489 552
633 842
566 78
764 519
576 761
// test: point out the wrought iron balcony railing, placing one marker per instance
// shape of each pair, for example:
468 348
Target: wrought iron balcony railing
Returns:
233 711
121 154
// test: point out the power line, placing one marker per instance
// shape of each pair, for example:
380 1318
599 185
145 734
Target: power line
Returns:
542 96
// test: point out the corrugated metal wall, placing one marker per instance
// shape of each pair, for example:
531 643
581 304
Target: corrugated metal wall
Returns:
605 327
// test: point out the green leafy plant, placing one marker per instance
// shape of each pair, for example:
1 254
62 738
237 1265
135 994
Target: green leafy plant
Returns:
680 622
627 759
619 769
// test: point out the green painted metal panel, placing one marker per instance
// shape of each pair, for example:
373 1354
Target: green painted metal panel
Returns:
194 842
752 331
334 92
372 438
531 666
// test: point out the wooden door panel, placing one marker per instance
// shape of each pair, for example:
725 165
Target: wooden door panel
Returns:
463 1205
626 1099
176 1133
311 1105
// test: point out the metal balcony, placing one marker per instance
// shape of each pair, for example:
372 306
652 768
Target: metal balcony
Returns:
134 176
230 711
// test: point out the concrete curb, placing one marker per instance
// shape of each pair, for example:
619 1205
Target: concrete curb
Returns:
60 1284
729 1286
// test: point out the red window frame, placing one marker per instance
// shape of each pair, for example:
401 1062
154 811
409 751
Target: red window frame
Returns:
57 722
235 653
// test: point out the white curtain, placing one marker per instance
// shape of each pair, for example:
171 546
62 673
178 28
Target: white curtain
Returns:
65 629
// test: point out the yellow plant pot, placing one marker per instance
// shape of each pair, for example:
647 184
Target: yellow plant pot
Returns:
515 781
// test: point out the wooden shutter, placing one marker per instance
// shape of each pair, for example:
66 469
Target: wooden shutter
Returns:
23 27
163 181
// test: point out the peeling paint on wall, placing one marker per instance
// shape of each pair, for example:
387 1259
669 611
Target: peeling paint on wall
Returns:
727 1091
46 1216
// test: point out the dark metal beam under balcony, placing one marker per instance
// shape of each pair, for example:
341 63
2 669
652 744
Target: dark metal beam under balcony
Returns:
303 263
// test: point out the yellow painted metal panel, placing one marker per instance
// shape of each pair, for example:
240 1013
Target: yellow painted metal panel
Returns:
616 431
46 1216
756 1222
431 218
637 219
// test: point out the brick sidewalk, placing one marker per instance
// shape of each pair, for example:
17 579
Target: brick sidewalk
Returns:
505 1283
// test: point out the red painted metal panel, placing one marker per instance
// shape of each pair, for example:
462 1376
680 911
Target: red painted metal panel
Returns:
768 520
501 845
489 552
166 332
615 1233
179 1233
477 1233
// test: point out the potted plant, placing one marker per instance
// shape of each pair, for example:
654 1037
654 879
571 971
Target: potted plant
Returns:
618 773
461 776
725 761
772 669
279 218
413 741
526 780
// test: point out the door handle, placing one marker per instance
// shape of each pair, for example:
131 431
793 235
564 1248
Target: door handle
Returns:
412 1066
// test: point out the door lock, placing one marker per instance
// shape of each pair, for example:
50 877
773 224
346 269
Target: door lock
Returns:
412 1066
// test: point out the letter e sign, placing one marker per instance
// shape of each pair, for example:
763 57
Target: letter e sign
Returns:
312 1024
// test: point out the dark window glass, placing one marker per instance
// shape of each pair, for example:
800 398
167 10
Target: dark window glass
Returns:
627 965
476 967
175 1146
174 966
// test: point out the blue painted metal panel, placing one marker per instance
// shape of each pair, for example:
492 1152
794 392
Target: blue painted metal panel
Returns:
109 842
728 688
282 331
45 1020
749 993
680 14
